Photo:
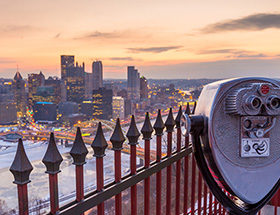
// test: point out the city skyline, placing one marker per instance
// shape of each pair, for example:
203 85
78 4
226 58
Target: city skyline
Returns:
163 39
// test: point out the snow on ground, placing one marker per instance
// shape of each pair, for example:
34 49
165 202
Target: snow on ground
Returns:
38 188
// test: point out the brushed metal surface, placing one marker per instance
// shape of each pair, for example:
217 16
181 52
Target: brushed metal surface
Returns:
250 178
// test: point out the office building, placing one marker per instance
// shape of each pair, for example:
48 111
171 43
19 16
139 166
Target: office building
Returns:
44 112
8 113
75 83
133 83
68 108
102 103
118 107
6 92
88 85
143 88
128 108
34 81
19 92
44 94
88 109
55 83
97 75
66 61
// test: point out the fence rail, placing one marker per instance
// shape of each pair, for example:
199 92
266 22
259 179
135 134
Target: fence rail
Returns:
190 196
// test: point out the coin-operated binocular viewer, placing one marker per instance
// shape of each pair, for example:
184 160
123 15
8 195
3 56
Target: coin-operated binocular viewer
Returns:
236 139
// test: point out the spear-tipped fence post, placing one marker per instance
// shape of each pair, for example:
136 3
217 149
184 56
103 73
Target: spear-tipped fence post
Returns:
169 124
194 107
188 110
99 145
178 163
117 140
147 131
133 135
79 152
21 169
159 127
186 167
52 160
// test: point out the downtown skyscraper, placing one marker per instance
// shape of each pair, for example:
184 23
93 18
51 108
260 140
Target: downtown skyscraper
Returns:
34 81
66 61
73 79
133 83
97 75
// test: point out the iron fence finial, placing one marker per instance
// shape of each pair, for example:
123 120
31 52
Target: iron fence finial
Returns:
170 122
52 158
178 118
159 124
79 151
188 110
99 143
194 106
133 133
147 128
117 137
21 166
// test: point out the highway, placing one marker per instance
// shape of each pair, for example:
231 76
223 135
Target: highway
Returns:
42 133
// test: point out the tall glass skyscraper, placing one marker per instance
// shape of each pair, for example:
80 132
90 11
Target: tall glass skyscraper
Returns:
66 61
34 81
133 83
73 79
97 75
75 83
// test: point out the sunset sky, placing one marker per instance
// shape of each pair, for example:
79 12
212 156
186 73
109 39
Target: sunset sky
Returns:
162 38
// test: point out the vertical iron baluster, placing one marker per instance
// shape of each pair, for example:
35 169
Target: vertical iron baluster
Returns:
169 124
223 210
178 163
159 127
21 169
193 185
147 131
22 199
53 179
99 145
215 205
205 198
220 208
199 197
79 182
118 197
186 181
117 140
133 135
79 152
210 203
52 161
186 165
